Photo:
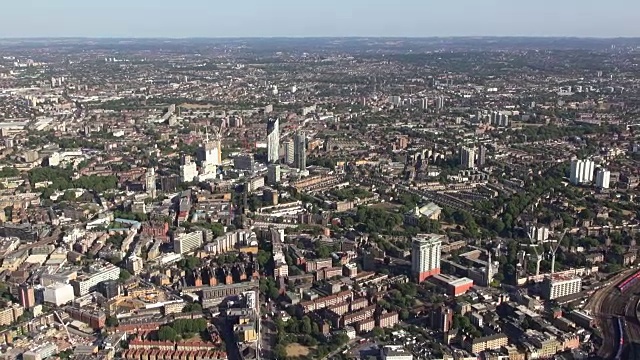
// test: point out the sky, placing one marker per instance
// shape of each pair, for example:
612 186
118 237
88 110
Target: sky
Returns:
318 18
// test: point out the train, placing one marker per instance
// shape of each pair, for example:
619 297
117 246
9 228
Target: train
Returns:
629 281
621 341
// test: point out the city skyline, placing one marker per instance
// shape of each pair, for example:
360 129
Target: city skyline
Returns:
287 18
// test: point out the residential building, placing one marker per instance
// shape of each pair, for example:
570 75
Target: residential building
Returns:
300 151
581 171
603 178
425 256
273 140
273 174
187 242
467 157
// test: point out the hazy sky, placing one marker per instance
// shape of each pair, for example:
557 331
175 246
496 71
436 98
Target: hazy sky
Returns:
267 18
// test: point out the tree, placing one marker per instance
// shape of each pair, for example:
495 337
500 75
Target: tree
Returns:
69 195
377 332
586 214
306 325
192 308
167 333
404 314
111 321
124 275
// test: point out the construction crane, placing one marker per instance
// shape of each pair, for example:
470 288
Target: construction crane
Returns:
554 249
65 327
534 245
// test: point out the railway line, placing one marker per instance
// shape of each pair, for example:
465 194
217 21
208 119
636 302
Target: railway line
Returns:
616 308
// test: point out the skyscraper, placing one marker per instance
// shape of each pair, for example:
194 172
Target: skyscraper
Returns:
273 140
603 178
581 171
482 156
423 103
289 152
467 157
425 256
273 174
27 296
150 182
300 150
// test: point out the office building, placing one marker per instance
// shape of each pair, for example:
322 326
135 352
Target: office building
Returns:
109 289
603 178
58 294
188 169
300 151
244 162
89 281
581 171
425 256
27 296
557 286
273 174
467 157
187 242
273 140
289 152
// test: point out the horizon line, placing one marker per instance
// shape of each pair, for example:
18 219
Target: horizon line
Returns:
321 37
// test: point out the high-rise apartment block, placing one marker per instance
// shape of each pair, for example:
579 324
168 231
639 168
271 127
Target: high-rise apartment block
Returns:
273 140
581 171
300 150
467 157
426 250
603 178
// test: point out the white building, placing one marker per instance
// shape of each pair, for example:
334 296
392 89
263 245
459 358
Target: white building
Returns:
58 294
395 352
426 250
560 286
581 171
423 103
538 233
273 174
603 178
289 152
188 170
273 140
85 283
41 352
467 157
187 242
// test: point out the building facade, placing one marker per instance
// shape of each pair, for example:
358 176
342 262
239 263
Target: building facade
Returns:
426 250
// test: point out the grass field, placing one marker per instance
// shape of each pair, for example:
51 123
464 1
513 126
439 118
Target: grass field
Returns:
295 349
